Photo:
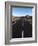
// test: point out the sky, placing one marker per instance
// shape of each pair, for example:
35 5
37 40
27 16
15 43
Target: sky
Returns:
19 11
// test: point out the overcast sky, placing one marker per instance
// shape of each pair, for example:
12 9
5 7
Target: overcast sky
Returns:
17 11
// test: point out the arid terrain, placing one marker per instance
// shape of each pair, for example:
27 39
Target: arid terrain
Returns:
26 18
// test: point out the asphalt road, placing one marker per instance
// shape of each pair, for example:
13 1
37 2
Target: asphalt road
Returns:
21 29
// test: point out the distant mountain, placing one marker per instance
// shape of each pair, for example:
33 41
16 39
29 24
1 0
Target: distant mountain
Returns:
14 18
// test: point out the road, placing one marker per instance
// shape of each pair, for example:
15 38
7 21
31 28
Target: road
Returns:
21 29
